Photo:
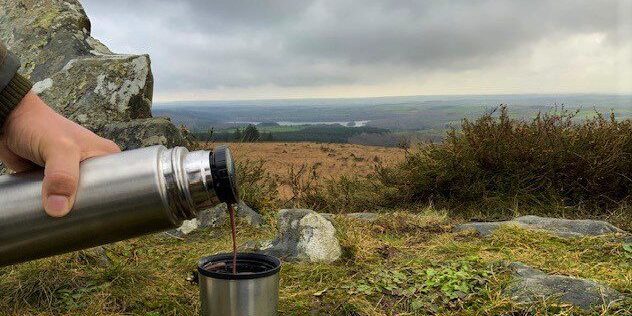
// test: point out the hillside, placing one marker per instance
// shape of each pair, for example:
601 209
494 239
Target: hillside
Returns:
422 244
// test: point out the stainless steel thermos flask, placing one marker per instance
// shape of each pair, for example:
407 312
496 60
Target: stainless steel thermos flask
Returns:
120 196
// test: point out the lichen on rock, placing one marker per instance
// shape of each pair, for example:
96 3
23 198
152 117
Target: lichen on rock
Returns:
530 285
556 226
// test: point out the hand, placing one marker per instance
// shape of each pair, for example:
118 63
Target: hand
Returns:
35 134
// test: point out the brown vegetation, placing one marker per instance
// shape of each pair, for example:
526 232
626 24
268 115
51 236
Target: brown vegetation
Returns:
494 167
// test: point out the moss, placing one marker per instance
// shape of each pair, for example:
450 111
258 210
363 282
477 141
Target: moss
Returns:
47 18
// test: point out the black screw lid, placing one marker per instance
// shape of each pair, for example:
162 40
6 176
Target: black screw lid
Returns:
223 172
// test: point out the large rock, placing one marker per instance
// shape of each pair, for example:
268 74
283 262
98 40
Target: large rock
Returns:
96 90
303 235
81 78
556 226
530 285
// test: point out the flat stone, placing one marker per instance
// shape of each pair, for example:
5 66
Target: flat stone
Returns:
531 285
243 213
557 226
213 217
216 217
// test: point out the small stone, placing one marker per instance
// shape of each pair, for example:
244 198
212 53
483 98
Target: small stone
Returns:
557 226
97 255
187 227
248 215
530 285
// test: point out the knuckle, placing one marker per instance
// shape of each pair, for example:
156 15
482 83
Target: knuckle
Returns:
61 182
65 144
112 146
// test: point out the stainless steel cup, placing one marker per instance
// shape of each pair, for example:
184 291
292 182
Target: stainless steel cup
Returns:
253 291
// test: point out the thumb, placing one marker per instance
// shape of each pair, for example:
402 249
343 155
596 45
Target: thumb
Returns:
61 179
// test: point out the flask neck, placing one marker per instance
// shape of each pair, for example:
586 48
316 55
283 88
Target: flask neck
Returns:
188 181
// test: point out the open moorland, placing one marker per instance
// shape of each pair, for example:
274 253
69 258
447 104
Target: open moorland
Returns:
409 259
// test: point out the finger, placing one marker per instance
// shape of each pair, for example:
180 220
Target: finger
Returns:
15 162
109 146
61 179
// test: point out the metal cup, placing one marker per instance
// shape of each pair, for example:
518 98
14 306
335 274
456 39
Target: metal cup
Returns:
253 291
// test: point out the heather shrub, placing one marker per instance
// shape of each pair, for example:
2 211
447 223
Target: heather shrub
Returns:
500 162
257 187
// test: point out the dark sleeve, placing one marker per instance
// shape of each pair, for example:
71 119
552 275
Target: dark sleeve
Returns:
13 86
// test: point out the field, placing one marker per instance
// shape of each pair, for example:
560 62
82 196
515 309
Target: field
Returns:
408 262
330 161
335 160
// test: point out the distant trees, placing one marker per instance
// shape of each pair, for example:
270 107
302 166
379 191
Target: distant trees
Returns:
266 137
381 139
237 135
250 134
314 133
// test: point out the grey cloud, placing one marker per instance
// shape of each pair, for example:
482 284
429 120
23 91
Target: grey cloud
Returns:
199 44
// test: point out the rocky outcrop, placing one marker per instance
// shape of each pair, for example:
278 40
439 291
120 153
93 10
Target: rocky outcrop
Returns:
142 133
303 235
557 226
96 90
530 285
79 77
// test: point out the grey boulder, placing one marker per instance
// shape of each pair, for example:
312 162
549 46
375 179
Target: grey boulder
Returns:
557 226
303 235
530 285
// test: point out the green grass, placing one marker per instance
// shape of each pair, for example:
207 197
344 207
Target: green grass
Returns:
402 264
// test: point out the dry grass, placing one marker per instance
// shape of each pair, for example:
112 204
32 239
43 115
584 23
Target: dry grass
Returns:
335 160
149 273
288 163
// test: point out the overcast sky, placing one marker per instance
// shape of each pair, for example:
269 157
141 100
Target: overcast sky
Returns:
238 49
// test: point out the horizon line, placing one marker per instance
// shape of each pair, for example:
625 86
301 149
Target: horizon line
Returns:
399 96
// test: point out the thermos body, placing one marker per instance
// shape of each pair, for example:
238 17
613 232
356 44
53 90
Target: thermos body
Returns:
120 196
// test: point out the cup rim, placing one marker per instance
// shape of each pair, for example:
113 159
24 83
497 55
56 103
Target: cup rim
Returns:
272 264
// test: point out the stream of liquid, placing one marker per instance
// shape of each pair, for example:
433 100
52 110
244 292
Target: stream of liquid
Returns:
231 210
